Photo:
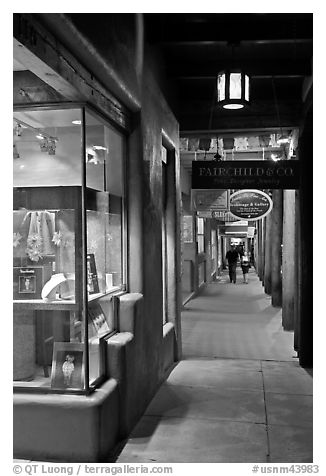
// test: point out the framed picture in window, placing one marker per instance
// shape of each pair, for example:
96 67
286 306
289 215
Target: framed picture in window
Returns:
98 320
67 366
92 281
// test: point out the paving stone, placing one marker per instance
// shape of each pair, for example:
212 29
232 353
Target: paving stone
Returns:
290 444
224 373
290 410
208 403
287 377
187 440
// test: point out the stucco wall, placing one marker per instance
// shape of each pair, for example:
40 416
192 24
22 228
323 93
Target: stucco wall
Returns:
114 53
155 117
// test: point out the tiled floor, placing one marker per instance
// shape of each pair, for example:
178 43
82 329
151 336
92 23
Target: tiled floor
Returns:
239 396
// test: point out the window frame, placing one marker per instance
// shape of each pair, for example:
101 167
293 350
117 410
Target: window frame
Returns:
119 290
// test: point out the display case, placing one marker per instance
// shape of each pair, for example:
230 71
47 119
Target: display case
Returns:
68 247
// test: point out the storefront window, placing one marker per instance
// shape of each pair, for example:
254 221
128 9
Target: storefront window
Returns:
68 246
188 233
47 147
105 152
213 251
200 235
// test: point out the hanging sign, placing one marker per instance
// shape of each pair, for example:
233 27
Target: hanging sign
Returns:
204 214
210 200
250 204
251 231
245 174
223 216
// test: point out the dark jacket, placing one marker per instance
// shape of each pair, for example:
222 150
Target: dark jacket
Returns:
232 256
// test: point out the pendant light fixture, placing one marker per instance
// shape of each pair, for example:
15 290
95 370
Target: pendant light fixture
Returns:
233 89
233 83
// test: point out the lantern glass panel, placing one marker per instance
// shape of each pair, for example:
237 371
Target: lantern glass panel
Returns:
221 87
246 88
233 106
235 86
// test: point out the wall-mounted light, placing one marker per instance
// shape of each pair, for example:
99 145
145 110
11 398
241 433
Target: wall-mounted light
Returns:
51 146
233 89
275 157
77 122
48 143
18 130
99 147
44 145
16 153
283 139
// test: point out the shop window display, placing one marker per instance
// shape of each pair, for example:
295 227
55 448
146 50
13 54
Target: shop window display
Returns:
188 229
68 247
200 235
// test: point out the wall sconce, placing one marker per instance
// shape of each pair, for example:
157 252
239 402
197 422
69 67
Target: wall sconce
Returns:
16 153
283 139
233 89
47 144
18 130
44 145
51 146
275 157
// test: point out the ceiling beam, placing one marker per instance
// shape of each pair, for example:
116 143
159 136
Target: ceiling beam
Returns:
260 116
258 68
42 53
229 27
252 132
37 66
211 34
223 42
29 88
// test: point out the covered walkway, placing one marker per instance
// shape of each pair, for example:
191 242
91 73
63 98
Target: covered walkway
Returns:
238 396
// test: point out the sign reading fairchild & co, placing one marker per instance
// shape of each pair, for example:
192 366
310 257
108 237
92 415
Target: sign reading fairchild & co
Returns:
245 174
250 204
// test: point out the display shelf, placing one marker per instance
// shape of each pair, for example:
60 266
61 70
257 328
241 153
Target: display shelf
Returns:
59 305
39 304
93 297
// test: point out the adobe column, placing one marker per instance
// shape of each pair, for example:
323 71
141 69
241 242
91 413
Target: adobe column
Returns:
261 247
305 149
288 260
276 249
267 254
258 249
297 271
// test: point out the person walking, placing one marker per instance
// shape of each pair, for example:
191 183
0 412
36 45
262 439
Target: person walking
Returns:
232 257
245 265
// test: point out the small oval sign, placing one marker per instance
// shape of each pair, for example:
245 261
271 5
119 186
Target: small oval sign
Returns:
250 204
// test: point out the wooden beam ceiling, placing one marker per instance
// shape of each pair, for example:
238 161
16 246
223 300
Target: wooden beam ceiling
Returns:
274 49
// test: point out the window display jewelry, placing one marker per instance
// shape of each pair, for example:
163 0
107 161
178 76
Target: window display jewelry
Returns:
57 238
51 287
16 239
34 245
39 228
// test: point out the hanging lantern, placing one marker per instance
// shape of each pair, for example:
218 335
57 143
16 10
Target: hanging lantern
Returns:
232 89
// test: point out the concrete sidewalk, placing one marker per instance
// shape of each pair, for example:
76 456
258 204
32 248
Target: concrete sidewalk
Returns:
238 396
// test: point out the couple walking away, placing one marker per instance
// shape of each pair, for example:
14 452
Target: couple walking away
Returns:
232 257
